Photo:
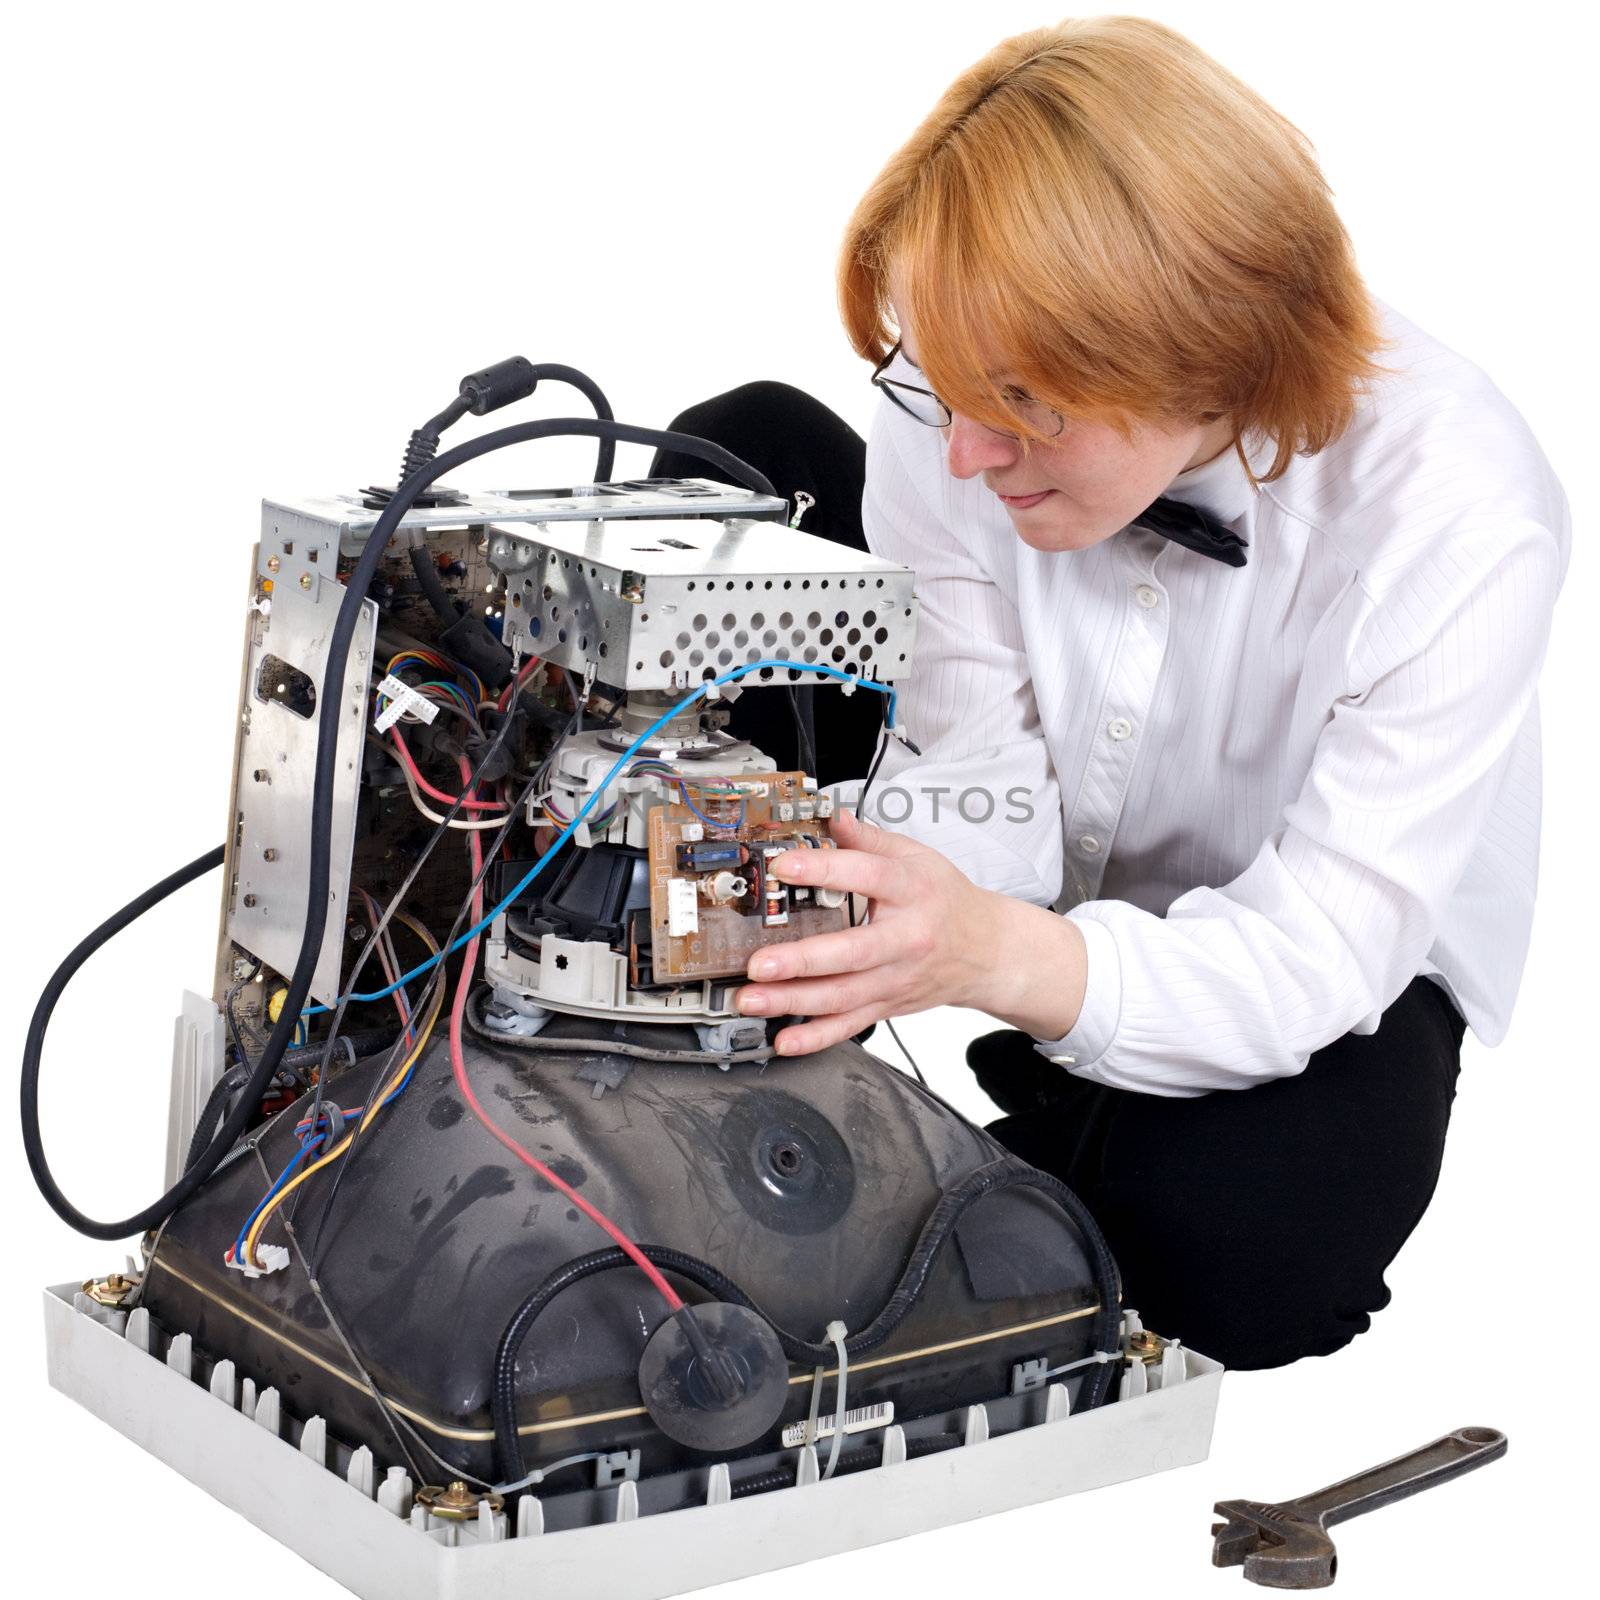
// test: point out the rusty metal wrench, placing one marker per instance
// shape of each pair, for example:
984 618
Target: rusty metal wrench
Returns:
1287 1546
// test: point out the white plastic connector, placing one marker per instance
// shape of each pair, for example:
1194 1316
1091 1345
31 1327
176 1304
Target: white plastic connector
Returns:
273 1257
683 908
402 698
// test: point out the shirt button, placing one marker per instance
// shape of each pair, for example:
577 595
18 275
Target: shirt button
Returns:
1120 728
1146 596
1089 844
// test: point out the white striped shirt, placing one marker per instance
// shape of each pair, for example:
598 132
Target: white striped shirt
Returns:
1269 796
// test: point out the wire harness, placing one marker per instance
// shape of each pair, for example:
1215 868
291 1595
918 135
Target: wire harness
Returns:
320 829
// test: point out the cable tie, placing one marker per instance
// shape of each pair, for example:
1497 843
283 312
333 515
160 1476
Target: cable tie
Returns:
809 1436
1095 1358
539 1474
836 1332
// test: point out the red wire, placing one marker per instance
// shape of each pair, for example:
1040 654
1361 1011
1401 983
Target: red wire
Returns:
428 789
521 678
458 1007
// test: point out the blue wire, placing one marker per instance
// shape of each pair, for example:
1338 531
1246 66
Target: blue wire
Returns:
394 1094
307 1145
683 795
350 1113
652 764
566 833
421 664
309 1142
455 691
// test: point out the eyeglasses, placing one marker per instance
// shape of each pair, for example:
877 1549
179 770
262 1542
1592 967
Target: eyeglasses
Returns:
932 412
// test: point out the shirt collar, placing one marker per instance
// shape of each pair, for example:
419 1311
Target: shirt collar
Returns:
1221 485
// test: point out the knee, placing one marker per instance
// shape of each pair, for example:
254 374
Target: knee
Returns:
1248 1293
1240 1276
1253 1332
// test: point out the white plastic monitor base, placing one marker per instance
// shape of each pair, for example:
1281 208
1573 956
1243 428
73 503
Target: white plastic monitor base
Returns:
225 1438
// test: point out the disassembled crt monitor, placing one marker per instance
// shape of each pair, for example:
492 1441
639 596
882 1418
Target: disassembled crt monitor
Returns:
499 1249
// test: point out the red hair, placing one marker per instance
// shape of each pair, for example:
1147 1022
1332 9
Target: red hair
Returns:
1130 230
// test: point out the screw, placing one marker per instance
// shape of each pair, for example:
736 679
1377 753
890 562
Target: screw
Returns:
273 563
305 580
269 855
249 902
110 1291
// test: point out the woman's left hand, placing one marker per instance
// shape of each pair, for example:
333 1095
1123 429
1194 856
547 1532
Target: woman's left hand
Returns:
933 938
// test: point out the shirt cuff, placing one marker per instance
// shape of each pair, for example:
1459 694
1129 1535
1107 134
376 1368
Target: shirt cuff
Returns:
1091 1035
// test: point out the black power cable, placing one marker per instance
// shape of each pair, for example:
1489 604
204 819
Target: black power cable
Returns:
592 392
482 392
229 1084
59 979
432 586
320 871
499 385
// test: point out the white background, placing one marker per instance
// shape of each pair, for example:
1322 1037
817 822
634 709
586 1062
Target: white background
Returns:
251 248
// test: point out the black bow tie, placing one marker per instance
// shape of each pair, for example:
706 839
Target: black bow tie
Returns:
1194 529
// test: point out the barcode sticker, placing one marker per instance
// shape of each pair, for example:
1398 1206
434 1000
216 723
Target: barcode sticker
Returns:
402 698
857 1421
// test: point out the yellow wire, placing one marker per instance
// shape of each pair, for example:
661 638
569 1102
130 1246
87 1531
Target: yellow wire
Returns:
367 1116
333 1155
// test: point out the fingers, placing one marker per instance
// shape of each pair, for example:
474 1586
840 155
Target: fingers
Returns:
856 833
813 997
808 1037
848 950
875 876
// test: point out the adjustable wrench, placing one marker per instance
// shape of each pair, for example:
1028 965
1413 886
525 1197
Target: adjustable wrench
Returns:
1286 1546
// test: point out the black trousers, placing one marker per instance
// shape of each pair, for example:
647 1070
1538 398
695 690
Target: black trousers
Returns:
1256 1225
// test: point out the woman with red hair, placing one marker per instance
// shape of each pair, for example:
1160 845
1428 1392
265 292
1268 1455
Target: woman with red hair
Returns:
1219 775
